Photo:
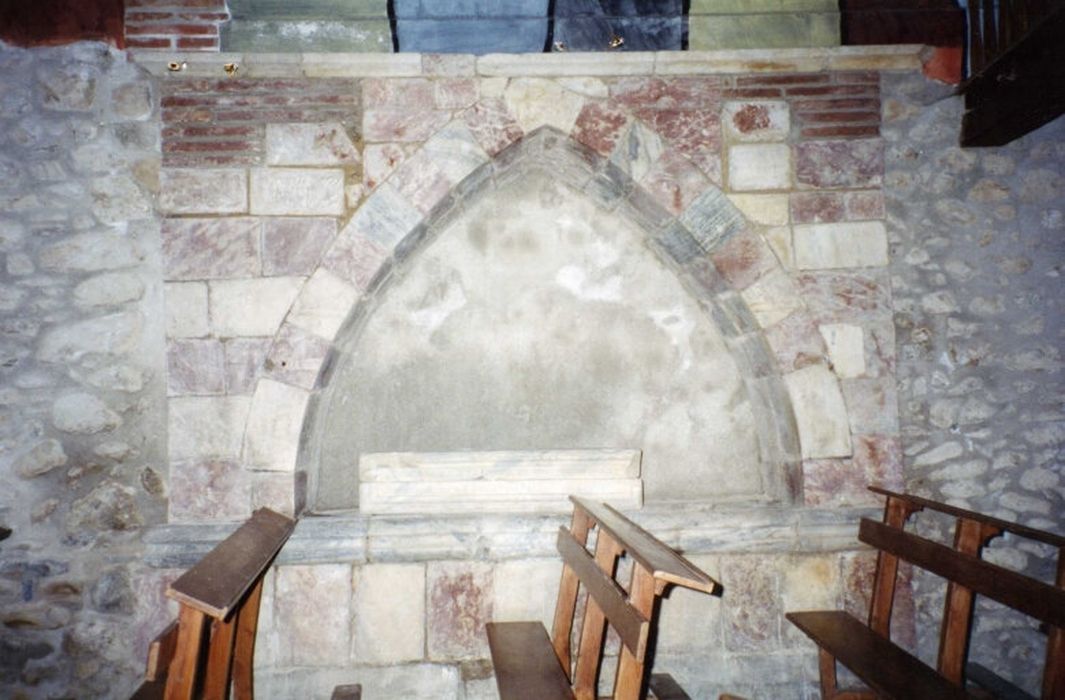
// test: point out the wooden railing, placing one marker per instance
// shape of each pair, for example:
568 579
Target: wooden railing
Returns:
996 25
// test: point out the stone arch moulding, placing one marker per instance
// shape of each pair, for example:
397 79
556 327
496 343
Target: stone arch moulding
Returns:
723 260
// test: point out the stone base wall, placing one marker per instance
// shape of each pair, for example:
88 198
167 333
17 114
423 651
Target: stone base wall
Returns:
81 369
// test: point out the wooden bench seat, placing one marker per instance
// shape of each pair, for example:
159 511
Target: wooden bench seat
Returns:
891 672
208 651
530 664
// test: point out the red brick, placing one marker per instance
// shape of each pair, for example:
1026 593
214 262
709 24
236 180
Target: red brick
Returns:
816 207
207 131
841 90
817 132
170 29
186 114
841 118
794 79
857 77
186 4
157 17
149 43
204 16
197 42
209 146
751 93
866 103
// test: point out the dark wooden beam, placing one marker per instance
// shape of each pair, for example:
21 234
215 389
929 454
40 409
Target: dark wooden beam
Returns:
48 22
1021 90
932 22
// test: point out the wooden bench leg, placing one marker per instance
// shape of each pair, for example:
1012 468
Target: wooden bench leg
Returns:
827 666
247 623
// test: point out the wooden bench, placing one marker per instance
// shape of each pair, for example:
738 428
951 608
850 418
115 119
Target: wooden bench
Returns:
891 672
530 664
211 644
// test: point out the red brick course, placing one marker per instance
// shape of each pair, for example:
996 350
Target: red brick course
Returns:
187 25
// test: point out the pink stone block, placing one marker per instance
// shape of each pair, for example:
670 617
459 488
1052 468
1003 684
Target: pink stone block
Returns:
275 491
194 366
667 93
454 93
674 181
460 603
379 161
296 357
208 490
210 248
399 94
422 182
852 163
294 246
492 125
796 342
877 461
599 126
244 358
839 297
743 259
753 613
697 134
862 206
817 207
389 125
355 258
872 404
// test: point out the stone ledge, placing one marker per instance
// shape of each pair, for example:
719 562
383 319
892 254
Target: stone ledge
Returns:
905 57
692 529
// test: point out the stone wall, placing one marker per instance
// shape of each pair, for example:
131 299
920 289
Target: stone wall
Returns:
81 374
977 251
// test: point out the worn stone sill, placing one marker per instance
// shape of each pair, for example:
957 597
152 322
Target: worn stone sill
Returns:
353 538
904 57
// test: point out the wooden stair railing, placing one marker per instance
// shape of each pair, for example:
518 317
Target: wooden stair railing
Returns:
208 651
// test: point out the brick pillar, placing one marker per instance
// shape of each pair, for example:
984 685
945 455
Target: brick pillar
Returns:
183 25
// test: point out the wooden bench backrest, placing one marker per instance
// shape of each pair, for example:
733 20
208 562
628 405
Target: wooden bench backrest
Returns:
630 610
967 575
213 642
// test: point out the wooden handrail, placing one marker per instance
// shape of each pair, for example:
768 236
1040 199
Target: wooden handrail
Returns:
1004 525
664 564
222 578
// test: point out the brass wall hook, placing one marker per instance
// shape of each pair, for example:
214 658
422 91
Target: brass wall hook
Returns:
617 41
230 68
176 67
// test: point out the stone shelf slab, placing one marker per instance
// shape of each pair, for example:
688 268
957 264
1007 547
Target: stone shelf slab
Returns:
496 481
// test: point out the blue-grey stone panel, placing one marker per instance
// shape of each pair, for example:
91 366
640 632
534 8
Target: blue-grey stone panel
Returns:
471 26
643 25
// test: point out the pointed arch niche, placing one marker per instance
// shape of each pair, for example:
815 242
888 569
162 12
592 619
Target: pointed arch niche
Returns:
549 303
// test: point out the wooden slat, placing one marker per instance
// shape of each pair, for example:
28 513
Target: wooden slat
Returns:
1054 670
628 684
665 687
525 663
184 670
896 512
885 667
1021 593
593 626
631 626
969 538
219 659
243 655
218 582
347 692
566 603
150 690
664 564
1004 525
161 653
996 686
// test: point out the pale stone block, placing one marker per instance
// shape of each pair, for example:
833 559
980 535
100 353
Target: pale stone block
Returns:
566 64
323 304
820 412
362 65
535 102
780 240
297 192
741 61
836 245
312 609
251 307
772 298
386 217
759 167
767 209
812 583
455 151
271 442
757 120
691 620
904 57
203 191
206 426
846 348
389 613
186 310
525 590
309 144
